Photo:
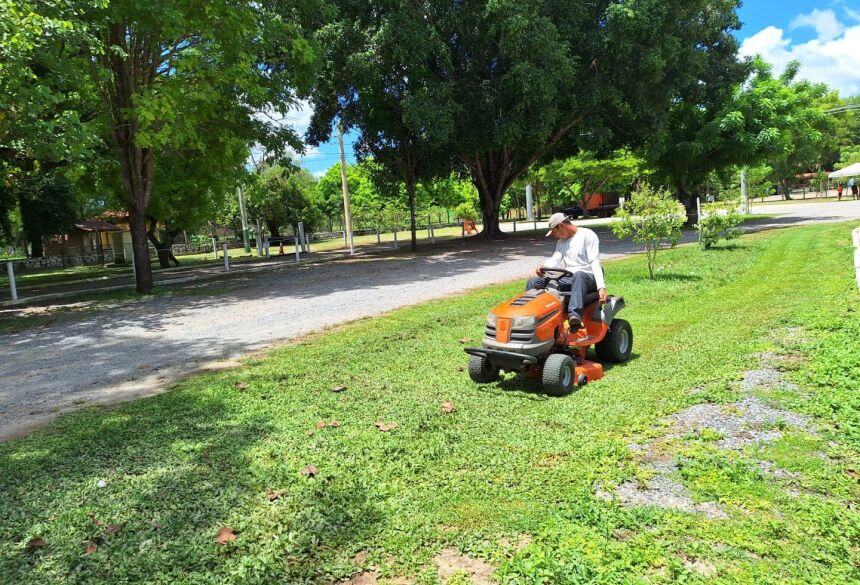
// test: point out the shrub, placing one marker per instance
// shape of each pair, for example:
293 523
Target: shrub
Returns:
650 218
718 221
466 210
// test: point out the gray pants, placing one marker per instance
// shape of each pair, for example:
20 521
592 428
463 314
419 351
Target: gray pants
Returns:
579 285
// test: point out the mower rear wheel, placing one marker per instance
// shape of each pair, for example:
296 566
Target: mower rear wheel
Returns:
559 374
481 370
617 346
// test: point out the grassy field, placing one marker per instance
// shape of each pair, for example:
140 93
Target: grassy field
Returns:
138 493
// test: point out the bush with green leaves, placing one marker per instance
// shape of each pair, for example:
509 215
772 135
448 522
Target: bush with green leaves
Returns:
466 210
718 220
652 218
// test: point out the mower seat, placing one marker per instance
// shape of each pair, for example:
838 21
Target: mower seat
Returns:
591 297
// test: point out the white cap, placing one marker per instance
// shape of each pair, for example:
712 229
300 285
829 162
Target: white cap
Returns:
554 220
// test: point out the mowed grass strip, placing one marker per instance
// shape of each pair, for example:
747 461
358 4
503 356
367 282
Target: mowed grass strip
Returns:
235 450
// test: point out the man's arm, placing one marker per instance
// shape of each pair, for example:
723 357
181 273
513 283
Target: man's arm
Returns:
592 254
555 261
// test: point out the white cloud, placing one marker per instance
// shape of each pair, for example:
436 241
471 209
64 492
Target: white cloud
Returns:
300 116
823 21
319 174
830 58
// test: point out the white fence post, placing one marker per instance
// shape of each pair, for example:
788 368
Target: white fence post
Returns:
396 245
214 248
301 235
226 258
699 216
12 288
267 248
298 257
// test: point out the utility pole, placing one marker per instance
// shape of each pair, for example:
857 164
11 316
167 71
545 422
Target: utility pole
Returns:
529 206
345 187
745 201
244 215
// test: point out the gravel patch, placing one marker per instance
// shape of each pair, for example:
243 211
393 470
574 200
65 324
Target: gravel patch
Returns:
743 423
662 491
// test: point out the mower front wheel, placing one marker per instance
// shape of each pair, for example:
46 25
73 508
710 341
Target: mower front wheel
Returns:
481 370
617 346
559 374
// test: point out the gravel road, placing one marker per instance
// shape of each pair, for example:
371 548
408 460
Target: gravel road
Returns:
136 348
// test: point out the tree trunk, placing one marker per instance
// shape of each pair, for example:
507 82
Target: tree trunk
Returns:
274 230
410 191
490 204
786 187
689 201
136 165
36 248
492 174
140 249
165 246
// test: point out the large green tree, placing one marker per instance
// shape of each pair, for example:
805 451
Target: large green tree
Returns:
48 108
166 69
283 196
504 84
778 121
376 80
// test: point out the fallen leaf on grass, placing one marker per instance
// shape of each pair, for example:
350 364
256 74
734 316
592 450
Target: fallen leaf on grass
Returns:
466 340
338 389
241 386
321 424
854 474
225 535
309 471
154 524
461 369
385 427
92 547
35 543
114 529
95 520
448 407
273 495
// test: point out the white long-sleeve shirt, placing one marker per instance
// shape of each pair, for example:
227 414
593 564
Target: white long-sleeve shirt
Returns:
581 253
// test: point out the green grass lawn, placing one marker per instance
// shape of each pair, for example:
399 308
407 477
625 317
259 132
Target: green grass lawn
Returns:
508 465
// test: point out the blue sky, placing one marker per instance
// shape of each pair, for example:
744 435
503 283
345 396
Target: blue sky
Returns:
823 35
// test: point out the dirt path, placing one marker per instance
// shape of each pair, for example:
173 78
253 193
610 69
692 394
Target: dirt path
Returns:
136 348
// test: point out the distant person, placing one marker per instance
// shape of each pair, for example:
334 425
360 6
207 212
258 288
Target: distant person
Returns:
839 191
854 190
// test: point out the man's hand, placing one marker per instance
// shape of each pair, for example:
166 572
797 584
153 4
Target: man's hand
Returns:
602 296
539 270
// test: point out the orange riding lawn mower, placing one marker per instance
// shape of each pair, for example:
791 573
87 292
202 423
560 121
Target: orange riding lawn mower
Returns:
530 334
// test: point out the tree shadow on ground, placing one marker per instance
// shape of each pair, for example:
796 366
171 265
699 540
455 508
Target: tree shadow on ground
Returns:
175 469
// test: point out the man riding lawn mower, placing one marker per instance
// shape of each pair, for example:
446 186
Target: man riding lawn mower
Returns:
546 331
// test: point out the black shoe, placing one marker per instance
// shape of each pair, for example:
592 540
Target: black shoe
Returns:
575 323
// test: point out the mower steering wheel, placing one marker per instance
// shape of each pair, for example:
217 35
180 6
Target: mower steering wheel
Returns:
560 273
